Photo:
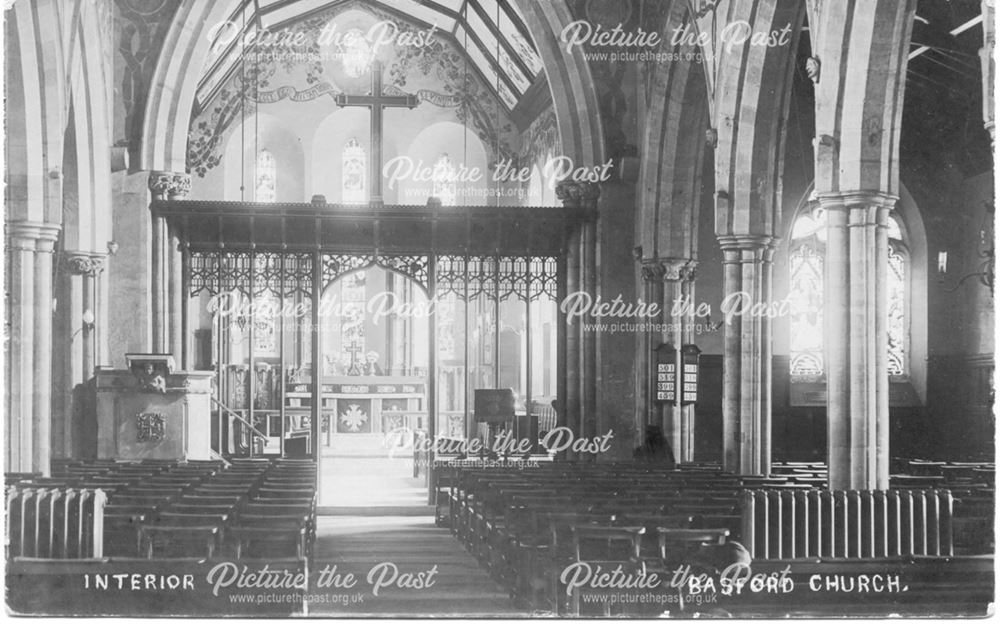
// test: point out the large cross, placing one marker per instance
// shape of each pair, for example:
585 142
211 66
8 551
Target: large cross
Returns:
376 101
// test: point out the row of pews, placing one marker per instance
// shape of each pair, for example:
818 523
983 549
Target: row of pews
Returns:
972 485
153 538
254 507
536 528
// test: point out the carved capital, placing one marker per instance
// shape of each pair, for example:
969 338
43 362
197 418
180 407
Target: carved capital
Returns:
813 66
678 269
669 269
577 194
653 271
169 185
84 263
711 137
689 271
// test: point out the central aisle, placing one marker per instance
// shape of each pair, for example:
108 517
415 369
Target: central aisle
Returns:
411 546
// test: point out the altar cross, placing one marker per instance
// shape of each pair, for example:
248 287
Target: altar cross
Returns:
354 349
376 101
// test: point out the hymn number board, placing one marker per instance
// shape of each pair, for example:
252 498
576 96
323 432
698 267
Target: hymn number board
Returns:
668 382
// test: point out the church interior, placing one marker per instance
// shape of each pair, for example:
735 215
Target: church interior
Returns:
500 307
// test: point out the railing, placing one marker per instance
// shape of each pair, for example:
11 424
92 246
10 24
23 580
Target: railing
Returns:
247 437
788 524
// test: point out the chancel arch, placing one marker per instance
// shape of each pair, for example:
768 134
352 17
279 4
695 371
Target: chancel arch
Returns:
178 192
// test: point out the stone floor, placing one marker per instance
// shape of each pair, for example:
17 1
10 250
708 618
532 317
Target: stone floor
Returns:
397 555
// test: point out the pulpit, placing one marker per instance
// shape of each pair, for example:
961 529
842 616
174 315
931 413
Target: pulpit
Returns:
149 411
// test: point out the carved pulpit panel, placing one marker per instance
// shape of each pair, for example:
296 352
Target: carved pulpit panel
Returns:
150 411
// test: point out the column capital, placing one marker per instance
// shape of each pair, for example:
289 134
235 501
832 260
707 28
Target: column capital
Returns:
26 235
672 269
746 242
169 185
653 271
84 263
842 200
578 194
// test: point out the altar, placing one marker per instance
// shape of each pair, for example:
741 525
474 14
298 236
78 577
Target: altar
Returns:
355 406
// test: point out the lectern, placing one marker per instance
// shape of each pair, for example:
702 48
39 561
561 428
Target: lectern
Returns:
149 411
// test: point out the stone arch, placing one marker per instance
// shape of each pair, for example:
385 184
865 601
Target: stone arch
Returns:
858 122
672 151
751 94
570 82
36 110
172 90
187 46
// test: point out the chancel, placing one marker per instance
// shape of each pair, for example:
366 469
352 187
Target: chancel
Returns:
496 301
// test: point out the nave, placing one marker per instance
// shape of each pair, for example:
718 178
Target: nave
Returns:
510 538
456 585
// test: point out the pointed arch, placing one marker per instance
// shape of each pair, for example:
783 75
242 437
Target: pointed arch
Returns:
175 80
673 150
858 121
36 110
571 84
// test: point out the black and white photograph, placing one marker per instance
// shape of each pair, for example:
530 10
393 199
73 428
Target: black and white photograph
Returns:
499 309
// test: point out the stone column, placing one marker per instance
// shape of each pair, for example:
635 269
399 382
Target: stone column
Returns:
175 295
746 393
582 274
20 354
855 317
678 317
684 326
80 292
988 66
88 266
30 416
165 263
652 273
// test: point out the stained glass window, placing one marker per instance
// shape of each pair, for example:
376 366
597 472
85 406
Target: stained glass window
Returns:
806 306
265 175
444 180
897 329
353 187
806 287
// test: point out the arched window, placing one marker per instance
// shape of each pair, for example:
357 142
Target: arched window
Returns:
806 256
353 186
265 175
444 180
